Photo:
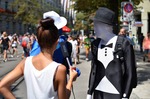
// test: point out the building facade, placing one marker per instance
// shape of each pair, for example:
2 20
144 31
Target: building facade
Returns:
10 25
7 21
142 15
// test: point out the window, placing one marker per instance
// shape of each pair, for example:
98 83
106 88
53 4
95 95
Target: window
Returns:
6 5
7 25
14 27
20 27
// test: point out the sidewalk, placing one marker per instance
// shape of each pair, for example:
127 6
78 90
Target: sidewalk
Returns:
142 91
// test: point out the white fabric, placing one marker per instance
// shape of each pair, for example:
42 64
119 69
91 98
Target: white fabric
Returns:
101 52
40 83
14 44
106 86
105 56
74 48
89 96
58 21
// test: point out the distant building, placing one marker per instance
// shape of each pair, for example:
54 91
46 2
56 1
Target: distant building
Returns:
142 15
9 24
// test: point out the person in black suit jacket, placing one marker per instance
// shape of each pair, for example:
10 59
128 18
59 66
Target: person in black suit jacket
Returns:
113 72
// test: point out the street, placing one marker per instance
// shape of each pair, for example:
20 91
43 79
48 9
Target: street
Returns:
142 91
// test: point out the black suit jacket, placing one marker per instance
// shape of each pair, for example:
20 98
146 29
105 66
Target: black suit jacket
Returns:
121 73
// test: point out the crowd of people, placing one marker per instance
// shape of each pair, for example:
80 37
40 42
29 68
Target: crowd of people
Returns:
10 43
113 59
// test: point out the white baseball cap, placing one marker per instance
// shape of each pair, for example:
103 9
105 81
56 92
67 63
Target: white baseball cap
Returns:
58 20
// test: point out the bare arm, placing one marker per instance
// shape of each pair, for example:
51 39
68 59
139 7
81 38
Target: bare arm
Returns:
64 88
18 41
9 79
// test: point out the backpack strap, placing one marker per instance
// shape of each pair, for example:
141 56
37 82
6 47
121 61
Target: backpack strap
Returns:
119 43
119 47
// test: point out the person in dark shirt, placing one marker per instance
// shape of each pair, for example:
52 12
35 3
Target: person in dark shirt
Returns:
140 41
6 44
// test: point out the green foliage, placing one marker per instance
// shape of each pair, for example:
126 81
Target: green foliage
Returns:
93 5
30 11
90 6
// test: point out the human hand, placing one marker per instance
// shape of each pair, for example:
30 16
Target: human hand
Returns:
73 73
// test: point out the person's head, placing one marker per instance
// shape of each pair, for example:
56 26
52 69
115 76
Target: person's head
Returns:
123 32
74 37
5 34
25 34
47 34
103 22
14 37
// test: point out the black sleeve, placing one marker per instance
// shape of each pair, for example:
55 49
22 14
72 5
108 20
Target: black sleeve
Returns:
92 77
130 75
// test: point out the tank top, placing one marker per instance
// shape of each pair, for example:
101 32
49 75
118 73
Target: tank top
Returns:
40 83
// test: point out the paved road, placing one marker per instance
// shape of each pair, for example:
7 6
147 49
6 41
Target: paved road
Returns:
142 91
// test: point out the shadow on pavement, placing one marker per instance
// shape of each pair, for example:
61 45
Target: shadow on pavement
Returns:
143 68
143 74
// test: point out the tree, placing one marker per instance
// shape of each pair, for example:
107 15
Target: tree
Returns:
90 6
30 11
93 5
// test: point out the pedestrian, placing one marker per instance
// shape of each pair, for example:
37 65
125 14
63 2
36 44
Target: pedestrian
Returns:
25 45
74 49
44 78
140 41
59 53
14 44
123 32
1 46
109 78
6 45
87 46
10 38
134 40
146 47
79 44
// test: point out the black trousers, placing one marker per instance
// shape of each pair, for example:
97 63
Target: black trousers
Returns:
103 95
